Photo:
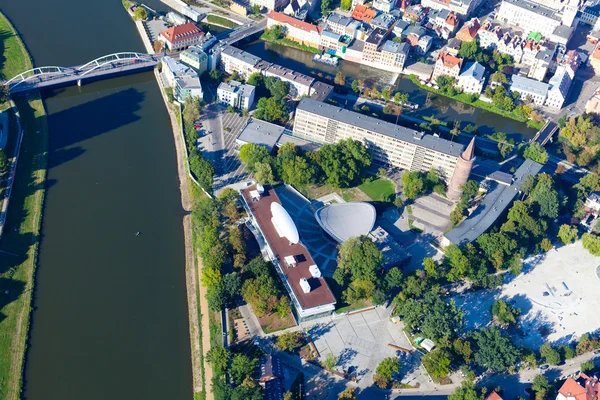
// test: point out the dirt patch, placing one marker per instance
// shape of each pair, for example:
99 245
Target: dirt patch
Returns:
271 322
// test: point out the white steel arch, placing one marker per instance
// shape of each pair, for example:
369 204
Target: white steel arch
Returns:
37 72
105 60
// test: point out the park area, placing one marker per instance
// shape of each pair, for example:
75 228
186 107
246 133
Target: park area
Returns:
557 294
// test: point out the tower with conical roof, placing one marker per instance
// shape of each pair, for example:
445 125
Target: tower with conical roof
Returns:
462 170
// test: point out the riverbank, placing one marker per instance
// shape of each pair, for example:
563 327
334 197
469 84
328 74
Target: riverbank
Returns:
20 241
199 335
267 37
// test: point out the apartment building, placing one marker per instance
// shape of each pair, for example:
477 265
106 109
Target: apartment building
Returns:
468 32
462 7
530 16
448 65
236 60
537 91
374 40
363 13
296 30
389 144
472 78
195 58
299 83
183 79
559 86
337 23
236 95
393 55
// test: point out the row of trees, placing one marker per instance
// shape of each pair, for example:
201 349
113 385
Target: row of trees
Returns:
340 165
202 169
240 368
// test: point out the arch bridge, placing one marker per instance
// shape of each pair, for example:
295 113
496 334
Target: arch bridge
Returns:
101 68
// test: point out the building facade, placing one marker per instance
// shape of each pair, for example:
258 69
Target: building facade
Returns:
236 60
236 95
536 90
275 5
472 79
183 79
389 144
447 65
195 58
530 16
299 83
296 30
181 37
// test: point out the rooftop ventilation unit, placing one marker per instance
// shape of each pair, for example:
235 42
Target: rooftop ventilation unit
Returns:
290 261
260 188
314 271
305 285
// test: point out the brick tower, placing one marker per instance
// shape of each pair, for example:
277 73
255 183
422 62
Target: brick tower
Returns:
464 164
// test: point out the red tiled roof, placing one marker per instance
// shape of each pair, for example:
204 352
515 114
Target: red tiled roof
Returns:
181 32
452 20
363 13
469 31
493 396
320 293
296 23
449 60
572 389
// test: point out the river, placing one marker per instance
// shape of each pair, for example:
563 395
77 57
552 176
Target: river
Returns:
430 104
110 314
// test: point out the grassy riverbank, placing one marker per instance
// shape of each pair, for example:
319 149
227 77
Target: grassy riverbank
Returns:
21 240
464 98
267 36
217 20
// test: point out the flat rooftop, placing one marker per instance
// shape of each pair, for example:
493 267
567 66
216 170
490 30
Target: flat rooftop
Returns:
320 293
535 8
493 206
261 133
378 126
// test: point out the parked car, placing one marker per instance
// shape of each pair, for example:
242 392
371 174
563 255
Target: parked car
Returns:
544 367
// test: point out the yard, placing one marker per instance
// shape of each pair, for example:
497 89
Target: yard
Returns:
379 189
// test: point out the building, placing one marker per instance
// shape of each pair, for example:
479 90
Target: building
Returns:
236 95
385 6
298 9
271 375
383 21
181 37
495 203
343 221
260 132
236 60
593 104
468 32
595 59
559 86
308 290
536 90
389 144
195 58
183 79
320 91
562 34
414 14
541 65
493 396
371 46
330 42
530 16
296 30
337 23
176 19
462 7
472 78
393 55
363 13
447 65
592 203
299 83
423 45
271 5
584 388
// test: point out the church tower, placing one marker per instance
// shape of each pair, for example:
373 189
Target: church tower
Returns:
462 170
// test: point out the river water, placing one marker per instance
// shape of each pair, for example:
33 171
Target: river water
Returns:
110 314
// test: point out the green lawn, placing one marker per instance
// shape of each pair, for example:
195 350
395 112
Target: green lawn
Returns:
217 20
21 238
13 55
379 189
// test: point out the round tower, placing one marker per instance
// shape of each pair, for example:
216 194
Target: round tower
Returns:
462 170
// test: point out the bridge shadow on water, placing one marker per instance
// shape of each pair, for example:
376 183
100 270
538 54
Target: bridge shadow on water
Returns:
90 119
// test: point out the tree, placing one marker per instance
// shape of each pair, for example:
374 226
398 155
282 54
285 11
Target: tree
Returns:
413 184
468 49
393 278
546 197
499 77
346 5
256 10
330 362
296 171
340 78
551 355
386 94
566 352
141 13
466 391
242 366
384 374
218 357
348 394
430 268
278 88
437 363
3 162
325 7
253 154
248 390
540 386
590 181
587 366
355 86
215 75
264 173
400 98
536 153
289 341
504 313
4 94
358 259
342 163
271 110
262 293
463 349
158 46
494 350
567 233
591 243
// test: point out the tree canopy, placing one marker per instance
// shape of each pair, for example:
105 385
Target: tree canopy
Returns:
493 350
358 259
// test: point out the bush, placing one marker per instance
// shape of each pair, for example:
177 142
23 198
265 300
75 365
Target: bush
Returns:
384 374
290 341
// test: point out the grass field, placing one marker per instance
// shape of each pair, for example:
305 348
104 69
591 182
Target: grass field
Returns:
14 58
379 189
21 240
216 20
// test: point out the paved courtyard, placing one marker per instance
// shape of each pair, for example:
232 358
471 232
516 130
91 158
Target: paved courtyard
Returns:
557 294
361 342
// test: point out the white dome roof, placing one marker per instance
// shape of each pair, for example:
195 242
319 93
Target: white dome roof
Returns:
284 223
345 220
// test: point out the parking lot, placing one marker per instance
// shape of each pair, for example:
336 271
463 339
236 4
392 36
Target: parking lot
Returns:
361 342
218 145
